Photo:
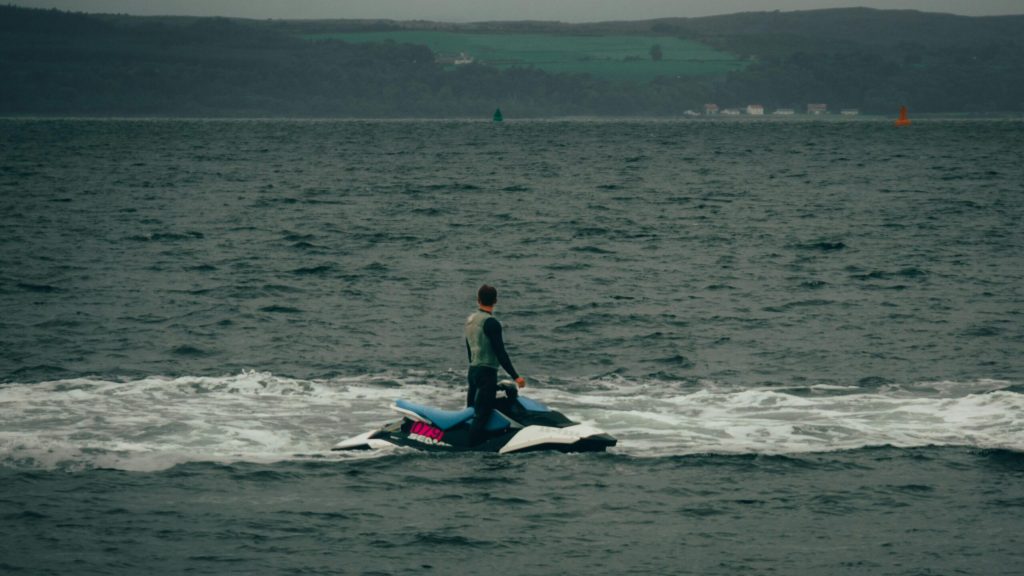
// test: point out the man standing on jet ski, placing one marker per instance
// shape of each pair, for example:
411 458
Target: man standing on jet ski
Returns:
486 350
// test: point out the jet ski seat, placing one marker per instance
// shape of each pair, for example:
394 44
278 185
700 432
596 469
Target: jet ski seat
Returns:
448 419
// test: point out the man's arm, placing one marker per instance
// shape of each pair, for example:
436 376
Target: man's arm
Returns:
492 329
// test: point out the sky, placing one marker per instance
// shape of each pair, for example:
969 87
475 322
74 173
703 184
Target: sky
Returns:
481 10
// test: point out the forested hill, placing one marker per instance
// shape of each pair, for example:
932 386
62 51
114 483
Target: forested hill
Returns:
841 28
59 63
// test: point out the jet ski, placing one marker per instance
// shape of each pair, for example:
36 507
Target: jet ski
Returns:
517 424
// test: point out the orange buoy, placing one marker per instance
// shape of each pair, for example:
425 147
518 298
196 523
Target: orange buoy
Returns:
903 120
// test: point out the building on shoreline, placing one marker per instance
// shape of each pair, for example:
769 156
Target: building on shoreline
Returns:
460 59
817 109
755 110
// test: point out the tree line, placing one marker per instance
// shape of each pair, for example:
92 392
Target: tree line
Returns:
60 63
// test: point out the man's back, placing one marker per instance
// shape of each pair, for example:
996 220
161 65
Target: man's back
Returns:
481 349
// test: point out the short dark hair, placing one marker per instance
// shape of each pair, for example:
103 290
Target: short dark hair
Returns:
487 295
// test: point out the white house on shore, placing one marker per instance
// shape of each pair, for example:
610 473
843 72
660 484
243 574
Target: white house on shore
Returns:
755 110
460 59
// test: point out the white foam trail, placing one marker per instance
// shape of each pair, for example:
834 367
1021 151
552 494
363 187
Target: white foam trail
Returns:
770 421
158 422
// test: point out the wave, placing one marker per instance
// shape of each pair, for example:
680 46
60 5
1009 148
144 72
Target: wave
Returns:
158 422
821 418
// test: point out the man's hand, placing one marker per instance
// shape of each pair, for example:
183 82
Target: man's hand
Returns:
521 382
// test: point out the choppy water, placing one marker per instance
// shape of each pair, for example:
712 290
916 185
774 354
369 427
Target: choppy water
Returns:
807 337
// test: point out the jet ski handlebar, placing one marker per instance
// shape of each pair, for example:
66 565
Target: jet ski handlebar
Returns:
509 388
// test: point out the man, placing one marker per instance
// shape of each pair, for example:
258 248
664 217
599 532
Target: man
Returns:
486 350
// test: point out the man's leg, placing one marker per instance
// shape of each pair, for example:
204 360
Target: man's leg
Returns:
471 377
483 404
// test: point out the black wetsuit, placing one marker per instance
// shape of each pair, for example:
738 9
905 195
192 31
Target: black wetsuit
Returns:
483 380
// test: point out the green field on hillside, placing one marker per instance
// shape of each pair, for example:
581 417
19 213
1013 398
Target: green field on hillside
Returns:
622 58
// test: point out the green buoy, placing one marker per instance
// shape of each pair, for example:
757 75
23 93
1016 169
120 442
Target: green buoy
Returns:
497 115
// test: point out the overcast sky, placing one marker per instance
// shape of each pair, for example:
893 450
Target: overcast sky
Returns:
477 10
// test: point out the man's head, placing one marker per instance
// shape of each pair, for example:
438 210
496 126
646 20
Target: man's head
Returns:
486 295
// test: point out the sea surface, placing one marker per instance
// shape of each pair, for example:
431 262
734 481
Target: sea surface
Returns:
808 337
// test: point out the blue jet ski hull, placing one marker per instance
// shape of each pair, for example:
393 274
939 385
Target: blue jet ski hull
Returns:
518 424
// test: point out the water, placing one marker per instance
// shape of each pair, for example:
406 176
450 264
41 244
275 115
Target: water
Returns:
807 337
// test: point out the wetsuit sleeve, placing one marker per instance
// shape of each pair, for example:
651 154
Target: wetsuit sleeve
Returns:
492 329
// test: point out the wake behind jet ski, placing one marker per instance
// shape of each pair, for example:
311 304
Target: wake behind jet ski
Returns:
517 424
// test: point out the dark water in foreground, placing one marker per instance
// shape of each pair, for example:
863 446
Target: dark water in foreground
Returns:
807 337
881 511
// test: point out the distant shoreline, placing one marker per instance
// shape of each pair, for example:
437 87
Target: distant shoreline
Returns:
72 64
831 118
